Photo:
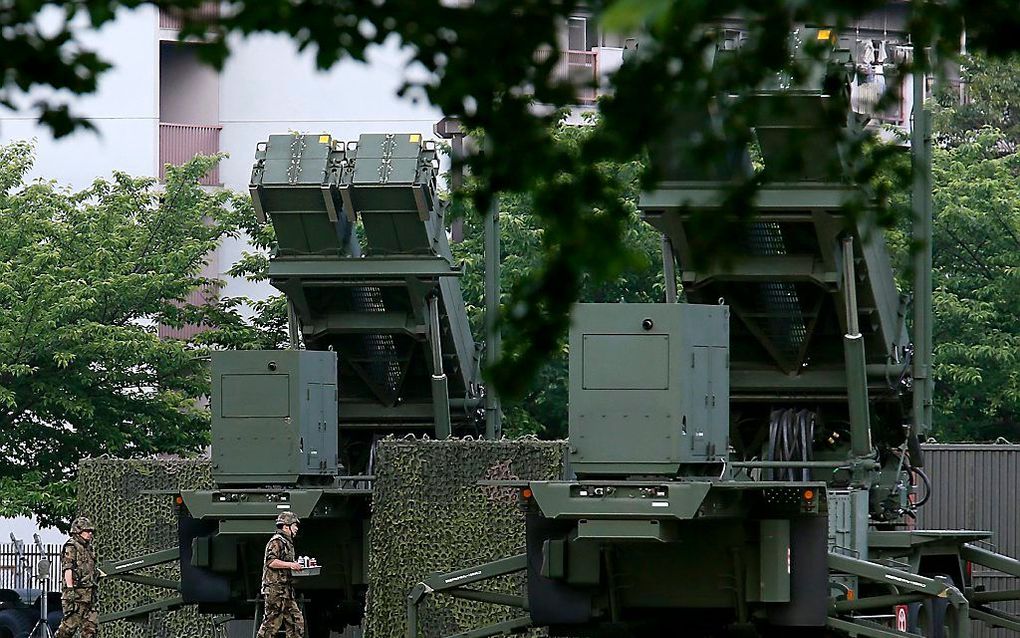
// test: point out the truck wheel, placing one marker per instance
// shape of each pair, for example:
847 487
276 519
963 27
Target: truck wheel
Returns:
53 619
925 625
15 623
949 616
941 617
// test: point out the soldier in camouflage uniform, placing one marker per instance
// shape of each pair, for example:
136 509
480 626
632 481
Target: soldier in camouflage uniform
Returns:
79 582
282 611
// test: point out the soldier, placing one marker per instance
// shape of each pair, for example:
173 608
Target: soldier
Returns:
282 611
78 582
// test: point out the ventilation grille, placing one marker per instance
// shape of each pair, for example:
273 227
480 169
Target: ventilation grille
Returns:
778 301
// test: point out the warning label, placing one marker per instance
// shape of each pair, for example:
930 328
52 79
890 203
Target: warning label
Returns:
901 617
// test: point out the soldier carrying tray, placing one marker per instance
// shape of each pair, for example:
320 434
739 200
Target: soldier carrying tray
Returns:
281 609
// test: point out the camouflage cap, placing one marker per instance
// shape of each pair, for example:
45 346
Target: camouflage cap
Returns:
287 518
82 524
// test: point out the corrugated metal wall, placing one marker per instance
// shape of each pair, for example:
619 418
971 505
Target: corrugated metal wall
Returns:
976 486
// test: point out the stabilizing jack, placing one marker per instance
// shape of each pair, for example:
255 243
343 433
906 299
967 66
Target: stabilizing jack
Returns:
456 583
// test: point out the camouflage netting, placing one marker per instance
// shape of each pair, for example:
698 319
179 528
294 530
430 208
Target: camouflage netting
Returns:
430 515
130 523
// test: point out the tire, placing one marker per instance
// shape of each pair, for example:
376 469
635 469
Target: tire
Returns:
53 619
926 620
15 623
949 616
941 616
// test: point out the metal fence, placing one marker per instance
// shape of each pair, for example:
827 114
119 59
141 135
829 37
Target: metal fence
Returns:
178 143
16 573
975 486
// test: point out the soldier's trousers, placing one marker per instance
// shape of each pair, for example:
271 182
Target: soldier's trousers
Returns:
80 614
282 614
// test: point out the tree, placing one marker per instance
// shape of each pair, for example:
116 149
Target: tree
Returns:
976 252
240 323
977 285
84 279
542 409
456 42
991 86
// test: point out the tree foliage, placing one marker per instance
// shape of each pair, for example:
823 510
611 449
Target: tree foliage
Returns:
457 43
581 208
241 323
977 288
84 279
523 241
991 87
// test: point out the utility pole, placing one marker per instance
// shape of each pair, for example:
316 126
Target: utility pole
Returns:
493 337
921 205
449 128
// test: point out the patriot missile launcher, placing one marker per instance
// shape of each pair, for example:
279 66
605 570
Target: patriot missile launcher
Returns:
745 462
380 346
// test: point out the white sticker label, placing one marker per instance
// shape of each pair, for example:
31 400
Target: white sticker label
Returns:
915 583
462 577
660 503
282 507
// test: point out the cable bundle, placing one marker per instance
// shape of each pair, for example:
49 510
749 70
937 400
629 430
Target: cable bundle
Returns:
791 433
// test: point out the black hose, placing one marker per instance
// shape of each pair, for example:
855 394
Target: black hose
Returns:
770 454
927 486
788 442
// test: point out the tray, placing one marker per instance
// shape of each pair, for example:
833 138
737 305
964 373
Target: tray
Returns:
307 571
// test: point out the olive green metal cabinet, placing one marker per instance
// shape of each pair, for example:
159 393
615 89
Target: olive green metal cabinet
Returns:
274 415
649 388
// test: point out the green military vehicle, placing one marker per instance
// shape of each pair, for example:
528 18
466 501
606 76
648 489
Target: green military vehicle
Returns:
745 462
385 349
